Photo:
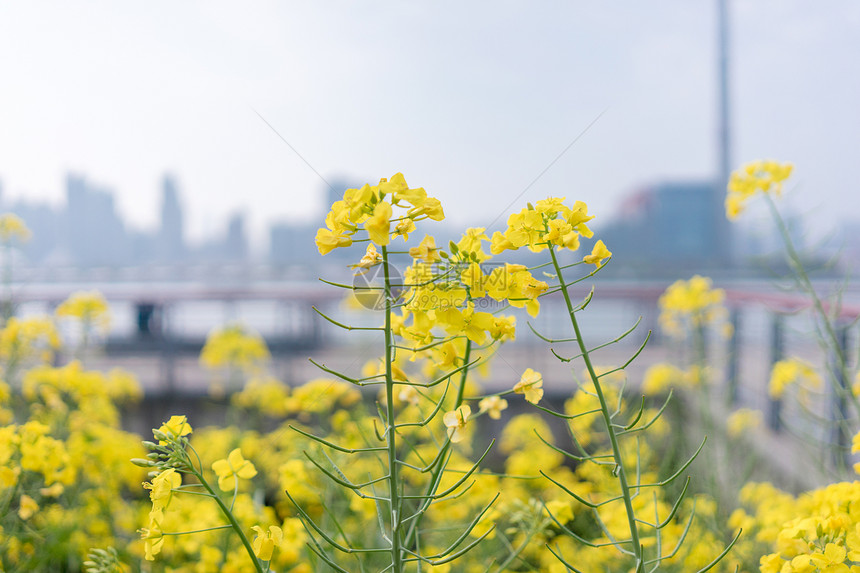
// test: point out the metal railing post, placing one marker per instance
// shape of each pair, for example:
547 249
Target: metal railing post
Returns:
839 405
777 348
734 350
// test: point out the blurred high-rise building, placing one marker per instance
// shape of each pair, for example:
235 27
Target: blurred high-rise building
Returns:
236 243
668 227
170 240
95 233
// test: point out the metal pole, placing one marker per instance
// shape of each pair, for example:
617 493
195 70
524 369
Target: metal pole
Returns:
839 405
777 348
734 349
722 230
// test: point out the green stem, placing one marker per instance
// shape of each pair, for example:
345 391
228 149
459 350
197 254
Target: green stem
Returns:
461 388
607 421
390 433
217 527
434 476
517 551
230 517
842 376
706 418
806 284
699 362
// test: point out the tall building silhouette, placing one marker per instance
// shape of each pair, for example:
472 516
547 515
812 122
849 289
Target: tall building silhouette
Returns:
170 239
236 243
667 227
96 234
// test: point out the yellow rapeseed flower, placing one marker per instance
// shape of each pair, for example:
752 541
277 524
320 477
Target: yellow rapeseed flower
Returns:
560 510
25 338
426 250
264 542
13 227
830 561
525 228
176 426
234 347
472 241
153 540
855 443
473 324
790 371
397 187
27 506
328 240
355 205
9 476
161 491
530 385
90 307
660 378
267 394
371 258
431 208
742 420
455 422
504 328
500 243
692 302
403 228
379 224
493 406
235 466
598 254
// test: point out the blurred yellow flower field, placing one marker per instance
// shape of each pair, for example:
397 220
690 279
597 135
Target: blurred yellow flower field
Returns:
397 468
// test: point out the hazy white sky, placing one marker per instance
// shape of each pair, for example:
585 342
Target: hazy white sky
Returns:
469 100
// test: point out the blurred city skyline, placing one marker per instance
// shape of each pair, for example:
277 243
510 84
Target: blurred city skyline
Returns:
472 104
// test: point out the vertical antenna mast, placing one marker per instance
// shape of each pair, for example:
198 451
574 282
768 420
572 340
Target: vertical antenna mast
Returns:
723 231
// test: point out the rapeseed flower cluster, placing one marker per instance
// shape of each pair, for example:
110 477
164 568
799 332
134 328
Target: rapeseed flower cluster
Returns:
25 341
232 353
372 208
742 421
661 377
266 394
268 503
690 303
59 423
33 340
790 371
12 227
816 531
90 308
445 285
765 176
550 223
234 347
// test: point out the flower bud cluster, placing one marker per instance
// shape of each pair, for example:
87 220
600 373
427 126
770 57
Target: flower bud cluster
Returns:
170 459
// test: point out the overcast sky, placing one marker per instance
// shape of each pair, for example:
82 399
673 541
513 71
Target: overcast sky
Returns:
470 100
